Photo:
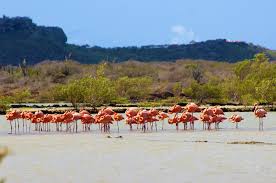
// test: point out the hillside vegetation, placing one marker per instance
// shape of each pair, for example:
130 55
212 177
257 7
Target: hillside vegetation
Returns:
21 39
160 83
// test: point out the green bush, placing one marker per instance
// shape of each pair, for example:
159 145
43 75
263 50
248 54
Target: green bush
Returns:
4 103
203 92
137 88
22 95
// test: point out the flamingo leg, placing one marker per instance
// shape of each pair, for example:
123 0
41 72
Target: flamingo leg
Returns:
193 121
23 125
118 127
28 124
144 128
18 126
259 124
15 125
11 126
76 126
262 124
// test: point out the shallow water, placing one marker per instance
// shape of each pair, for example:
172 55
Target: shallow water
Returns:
163 156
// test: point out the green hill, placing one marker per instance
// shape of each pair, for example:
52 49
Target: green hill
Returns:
21 39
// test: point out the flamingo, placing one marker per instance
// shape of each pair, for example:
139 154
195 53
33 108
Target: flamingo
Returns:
29 116
58 119
68 119
175 110
220 119
217 111
39 115
10 117
174 120
143 117
185 118
236 119
76 116
46 121
204 118
153 117
192 107
106 120
108 110
17 116
87 120
212 119
131 114
117 118
162 116
260 113
35 120
212 115
139 117
130 121
220 116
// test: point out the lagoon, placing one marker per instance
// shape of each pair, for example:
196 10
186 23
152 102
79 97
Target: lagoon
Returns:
162 156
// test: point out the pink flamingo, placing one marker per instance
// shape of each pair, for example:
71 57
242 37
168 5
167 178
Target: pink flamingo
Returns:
87 120
130 121
117 118
185 118
175 110
162 116
76 116
236 119
106 120
174 120
10 117
260 113
192 107
153 117
131 116
204 118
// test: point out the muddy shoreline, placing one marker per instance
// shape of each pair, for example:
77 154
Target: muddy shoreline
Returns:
61 108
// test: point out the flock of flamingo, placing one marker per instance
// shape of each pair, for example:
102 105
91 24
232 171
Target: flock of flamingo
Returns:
143 119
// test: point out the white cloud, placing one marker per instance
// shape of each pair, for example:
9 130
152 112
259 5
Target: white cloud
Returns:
182 35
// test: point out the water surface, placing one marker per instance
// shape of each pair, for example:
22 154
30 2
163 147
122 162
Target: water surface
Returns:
163 156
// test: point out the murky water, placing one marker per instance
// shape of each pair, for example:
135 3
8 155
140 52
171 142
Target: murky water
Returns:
163 156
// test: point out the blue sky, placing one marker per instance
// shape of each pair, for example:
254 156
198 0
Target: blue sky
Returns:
112 23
